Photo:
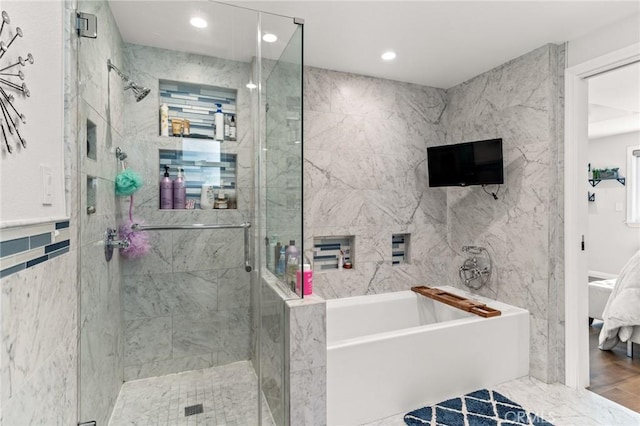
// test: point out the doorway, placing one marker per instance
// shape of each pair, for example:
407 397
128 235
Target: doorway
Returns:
576 209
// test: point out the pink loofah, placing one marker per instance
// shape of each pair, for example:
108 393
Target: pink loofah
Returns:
138 241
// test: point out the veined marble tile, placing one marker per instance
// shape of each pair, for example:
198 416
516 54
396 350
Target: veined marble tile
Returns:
38 308
308 398
147 340
307 338
155 295
161 368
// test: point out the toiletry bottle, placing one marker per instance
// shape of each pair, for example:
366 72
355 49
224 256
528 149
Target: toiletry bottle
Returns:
276 256
186 127
164 120
207 197
219 120
271 248
179 191
232 128
227 127
291 261
221 199
340 260
166 190
281 264
304 277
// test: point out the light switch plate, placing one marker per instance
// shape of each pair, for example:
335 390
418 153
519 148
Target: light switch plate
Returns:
47 185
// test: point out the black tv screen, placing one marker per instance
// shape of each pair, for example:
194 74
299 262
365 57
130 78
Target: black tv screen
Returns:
464 164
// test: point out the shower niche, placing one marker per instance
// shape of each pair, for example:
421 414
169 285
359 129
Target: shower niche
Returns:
192 110
209 175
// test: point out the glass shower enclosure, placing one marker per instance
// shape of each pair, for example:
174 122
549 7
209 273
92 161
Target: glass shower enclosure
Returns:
189 284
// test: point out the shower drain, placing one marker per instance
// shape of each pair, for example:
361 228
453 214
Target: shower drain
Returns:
193 409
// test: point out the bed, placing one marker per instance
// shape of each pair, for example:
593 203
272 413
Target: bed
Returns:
621 312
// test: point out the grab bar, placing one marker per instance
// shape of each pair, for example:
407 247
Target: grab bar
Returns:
245 226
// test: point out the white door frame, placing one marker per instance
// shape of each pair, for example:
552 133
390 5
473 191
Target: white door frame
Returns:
575 210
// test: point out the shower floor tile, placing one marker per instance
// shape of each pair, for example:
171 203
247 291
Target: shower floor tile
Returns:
229 396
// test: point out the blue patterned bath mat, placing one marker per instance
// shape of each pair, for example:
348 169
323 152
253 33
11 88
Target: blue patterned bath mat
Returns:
480 408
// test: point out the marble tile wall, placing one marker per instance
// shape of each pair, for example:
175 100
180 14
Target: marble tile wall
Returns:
38 361
365 175
519 102
306 344
187 303
101 335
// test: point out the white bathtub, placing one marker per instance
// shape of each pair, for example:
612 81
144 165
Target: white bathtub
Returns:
395 352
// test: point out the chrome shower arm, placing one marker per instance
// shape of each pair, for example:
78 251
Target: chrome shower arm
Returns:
123 76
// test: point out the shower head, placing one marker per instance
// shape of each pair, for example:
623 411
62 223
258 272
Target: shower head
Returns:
140 92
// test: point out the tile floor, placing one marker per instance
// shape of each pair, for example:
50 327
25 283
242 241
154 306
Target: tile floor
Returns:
555 403
228 394
229 397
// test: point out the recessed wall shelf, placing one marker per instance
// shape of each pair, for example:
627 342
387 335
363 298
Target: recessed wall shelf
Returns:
594 182
209 168
326 252
399 248
196 103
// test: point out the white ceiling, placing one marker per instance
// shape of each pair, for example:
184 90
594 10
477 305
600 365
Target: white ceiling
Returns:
439 43
614 102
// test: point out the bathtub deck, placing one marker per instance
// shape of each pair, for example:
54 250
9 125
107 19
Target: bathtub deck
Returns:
555 403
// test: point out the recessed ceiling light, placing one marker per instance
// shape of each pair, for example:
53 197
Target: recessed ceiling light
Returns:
388 56
198 22
251 85
269 38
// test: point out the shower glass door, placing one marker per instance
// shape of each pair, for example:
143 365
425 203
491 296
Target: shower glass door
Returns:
281 174
181 301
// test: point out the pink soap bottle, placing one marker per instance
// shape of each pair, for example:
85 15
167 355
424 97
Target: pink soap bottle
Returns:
305 276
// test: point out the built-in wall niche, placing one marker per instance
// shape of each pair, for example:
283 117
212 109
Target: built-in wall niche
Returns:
400 248
206 171
92 140
329 252
191 111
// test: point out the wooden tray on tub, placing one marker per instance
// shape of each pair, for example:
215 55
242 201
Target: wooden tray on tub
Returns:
456 301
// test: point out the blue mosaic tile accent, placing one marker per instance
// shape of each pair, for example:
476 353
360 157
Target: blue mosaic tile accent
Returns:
399 244
12 270
62 225
36 241
326 251
38 246
11 247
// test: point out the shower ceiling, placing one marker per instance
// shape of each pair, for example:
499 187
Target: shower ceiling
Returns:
438 43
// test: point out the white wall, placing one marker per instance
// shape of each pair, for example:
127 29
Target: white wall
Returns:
607 39
20 175
610 242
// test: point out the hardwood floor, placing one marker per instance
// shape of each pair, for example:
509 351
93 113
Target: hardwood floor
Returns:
614 375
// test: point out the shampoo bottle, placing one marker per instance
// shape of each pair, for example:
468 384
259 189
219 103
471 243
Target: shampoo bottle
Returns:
179 191
276 255
219 121
304 278
291 261
227 127
164 120
281 264
166 190
232 128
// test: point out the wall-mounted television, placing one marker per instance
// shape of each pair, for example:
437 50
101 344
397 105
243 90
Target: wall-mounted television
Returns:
464 164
